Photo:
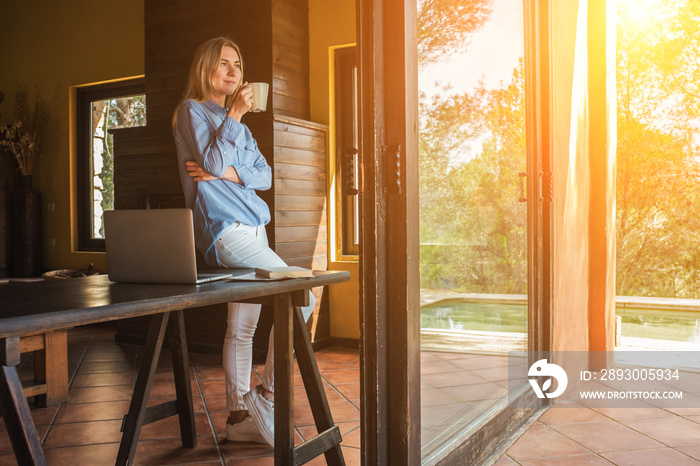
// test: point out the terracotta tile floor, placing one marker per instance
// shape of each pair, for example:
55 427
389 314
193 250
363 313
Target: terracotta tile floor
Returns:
458 388
578 435
85 429
455 388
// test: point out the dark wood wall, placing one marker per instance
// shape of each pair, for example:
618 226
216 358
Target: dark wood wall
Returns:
274 40
290 58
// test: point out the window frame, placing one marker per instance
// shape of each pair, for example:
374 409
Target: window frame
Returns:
85 95
346 139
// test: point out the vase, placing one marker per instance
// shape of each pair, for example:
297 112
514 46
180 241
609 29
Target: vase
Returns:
24 228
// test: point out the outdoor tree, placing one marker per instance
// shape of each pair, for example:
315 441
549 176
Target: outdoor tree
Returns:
472 227
124 112
445 26
658 107
472 147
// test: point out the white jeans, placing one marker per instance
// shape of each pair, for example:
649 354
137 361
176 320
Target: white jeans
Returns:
243 246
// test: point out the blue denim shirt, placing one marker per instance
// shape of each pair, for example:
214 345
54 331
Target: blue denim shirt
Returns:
205 134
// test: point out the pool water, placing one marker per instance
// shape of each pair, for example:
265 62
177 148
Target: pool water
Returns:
487 317
494 317
660 324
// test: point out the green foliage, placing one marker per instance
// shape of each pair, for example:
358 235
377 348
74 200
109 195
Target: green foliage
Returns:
444 26
472 225
473 232
657 167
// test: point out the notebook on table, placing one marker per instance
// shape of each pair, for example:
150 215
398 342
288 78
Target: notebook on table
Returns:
153 246
284 272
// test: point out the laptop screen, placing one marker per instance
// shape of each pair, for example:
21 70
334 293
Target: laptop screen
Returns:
150 246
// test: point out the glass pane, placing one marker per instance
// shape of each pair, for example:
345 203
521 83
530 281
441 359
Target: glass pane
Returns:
355 162
347 115
122 112
473 231
658 195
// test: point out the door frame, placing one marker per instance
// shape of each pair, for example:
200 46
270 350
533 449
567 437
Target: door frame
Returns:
540 186
389 249
389 276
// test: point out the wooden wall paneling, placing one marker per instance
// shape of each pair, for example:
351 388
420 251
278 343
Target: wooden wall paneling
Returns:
131 162
130 147
298 172
309 262
285 57
300 157
300 191
181 35
297 125
158 5
312 262
288 91
288 202
260 125
302 249
166 100
294 140
289 105
154 178
299 233
290 51
178 13
305 188
296 11
292 218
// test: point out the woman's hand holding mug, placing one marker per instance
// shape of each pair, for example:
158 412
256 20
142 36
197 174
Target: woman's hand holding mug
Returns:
242 102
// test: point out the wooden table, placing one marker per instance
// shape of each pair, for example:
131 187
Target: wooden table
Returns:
57 304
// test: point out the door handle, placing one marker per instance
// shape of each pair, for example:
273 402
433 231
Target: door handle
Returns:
349 186
522 176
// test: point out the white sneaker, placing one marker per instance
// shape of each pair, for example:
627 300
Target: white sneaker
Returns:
262 411
245 431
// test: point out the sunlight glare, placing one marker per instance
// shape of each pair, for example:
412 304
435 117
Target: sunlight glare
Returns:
641 12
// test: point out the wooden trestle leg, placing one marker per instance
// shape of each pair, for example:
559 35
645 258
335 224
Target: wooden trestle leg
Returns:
291 334
329 438
15 410
139 415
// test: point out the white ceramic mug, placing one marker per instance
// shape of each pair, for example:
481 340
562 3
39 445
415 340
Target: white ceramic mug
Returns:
259 96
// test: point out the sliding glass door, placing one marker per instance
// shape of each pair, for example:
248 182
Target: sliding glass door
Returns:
473 211
454 241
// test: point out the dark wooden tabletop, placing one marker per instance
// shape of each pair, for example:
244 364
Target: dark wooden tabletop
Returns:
54 304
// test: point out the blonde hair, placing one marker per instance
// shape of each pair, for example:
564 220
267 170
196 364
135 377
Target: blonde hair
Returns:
204 64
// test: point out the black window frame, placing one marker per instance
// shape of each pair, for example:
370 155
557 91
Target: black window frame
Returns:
84 98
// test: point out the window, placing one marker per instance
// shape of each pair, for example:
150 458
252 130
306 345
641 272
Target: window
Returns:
100 109
346 114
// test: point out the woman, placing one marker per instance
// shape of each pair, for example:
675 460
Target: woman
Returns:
220 170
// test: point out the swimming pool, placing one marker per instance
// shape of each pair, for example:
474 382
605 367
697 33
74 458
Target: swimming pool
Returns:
659 324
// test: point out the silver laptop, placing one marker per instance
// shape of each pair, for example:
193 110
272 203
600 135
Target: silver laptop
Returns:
153 246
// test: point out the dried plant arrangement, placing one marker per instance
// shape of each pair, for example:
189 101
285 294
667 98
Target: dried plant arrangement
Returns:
21 139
